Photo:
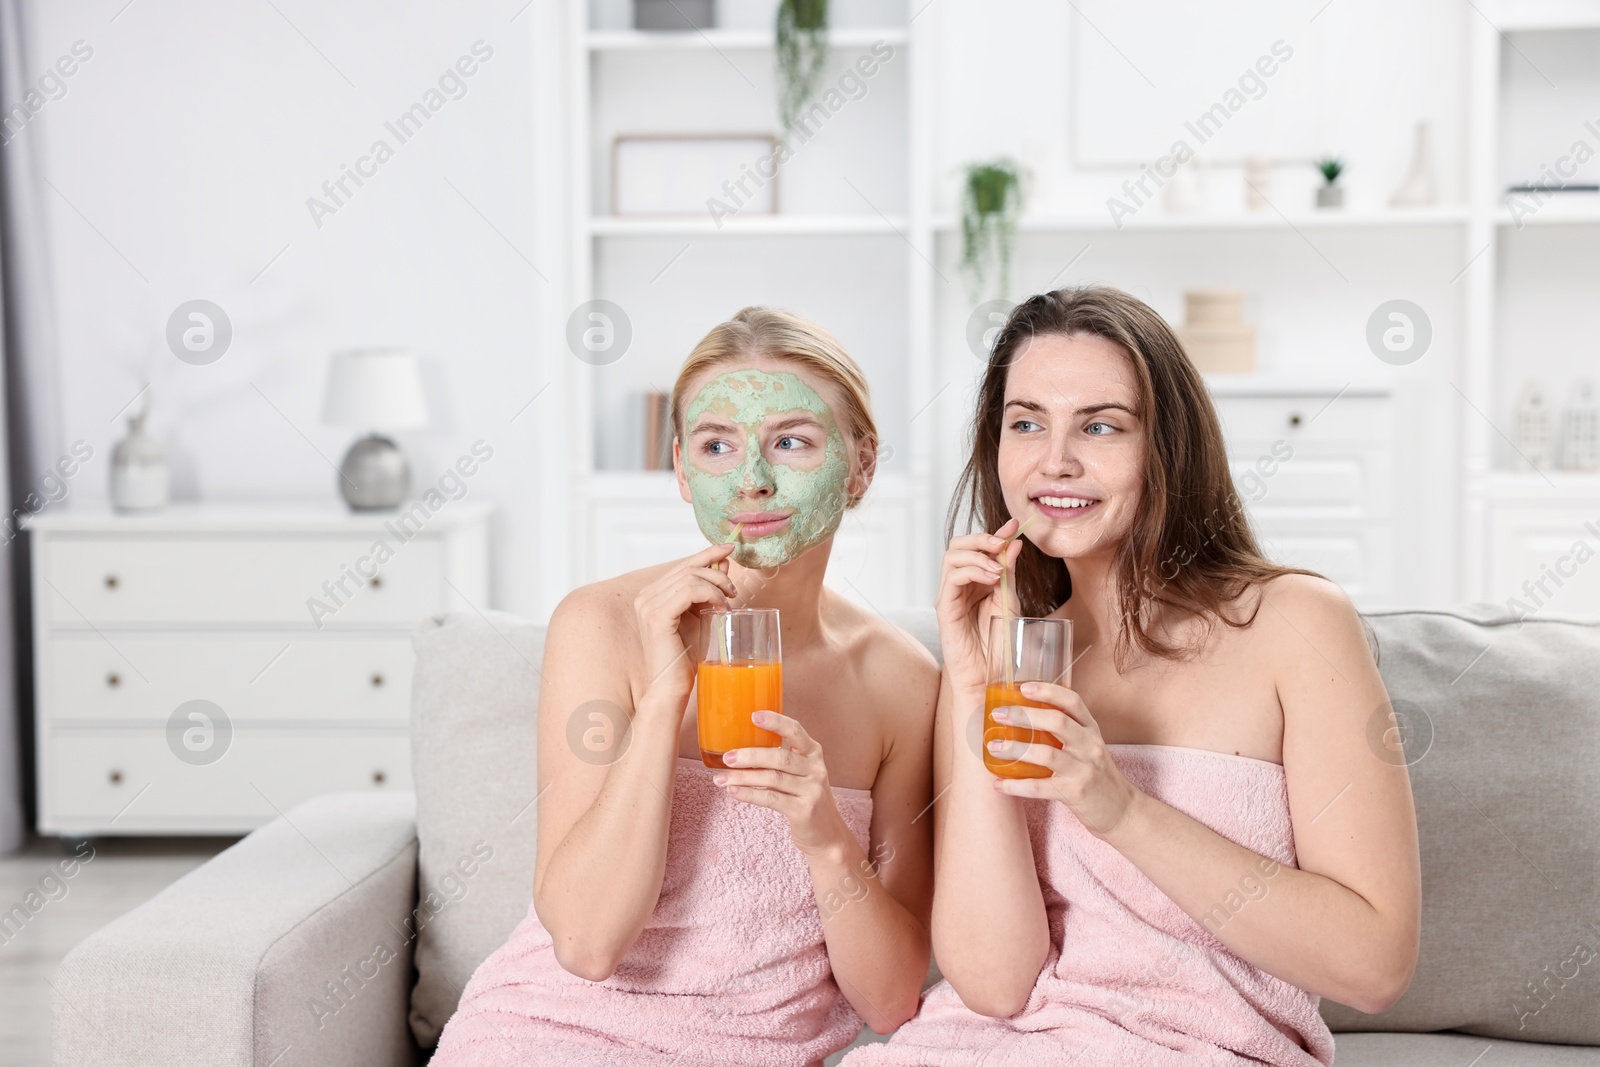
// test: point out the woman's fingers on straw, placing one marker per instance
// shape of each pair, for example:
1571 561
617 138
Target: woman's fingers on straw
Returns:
984 543
972 559
992 542
699 589
711 554
974 575
717 578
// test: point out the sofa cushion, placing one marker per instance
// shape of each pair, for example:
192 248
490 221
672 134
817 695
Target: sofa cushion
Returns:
473 699
1454 1050
1503 740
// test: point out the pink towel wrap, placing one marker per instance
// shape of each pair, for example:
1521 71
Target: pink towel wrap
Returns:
730 969
1130 978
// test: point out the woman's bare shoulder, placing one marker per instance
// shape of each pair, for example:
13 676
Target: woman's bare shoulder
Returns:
1308 620
1303 593
602 606
890 656
1270 621
1262 605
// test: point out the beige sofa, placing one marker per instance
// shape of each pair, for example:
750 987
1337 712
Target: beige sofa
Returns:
343 933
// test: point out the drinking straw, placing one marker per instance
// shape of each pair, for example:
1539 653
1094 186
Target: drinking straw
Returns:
725 631
1005 604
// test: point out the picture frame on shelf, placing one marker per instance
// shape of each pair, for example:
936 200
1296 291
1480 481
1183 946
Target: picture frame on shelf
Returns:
657 175
674 16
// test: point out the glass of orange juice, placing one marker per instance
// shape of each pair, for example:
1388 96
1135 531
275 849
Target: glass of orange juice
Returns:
1022 650
740 673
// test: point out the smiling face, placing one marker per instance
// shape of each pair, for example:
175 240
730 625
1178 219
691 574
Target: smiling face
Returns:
762 450
1072 449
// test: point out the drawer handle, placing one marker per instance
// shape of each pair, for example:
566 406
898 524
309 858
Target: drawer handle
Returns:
116 777
113 679
1294 418
377 777
376 582
111 581
377 680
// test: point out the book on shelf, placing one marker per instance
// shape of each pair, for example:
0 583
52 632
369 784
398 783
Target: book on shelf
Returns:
657 431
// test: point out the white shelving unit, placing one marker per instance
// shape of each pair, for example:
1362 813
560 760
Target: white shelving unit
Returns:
1263 220
729 40
878 264
749 226
1519 522
628 518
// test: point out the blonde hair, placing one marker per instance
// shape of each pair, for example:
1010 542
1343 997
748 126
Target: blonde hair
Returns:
762 331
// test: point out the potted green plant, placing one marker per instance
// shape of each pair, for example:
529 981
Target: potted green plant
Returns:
802 47
991 200
1330 194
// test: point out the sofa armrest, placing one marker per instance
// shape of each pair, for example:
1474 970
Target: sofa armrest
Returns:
290 948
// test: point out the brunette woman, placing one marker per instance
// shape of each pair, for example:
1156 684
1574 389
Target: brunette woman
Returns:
1225 833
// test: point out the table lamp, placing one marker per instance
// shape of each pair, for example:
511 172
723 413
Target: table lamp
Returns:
375 390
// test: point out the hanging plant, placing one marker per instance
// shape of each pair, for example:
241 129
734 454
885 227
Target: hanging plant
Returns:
802 46
989 208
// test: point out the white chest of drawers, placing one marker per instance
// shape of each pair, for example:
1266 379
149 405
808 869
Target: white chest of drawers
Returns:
1314 463
203 669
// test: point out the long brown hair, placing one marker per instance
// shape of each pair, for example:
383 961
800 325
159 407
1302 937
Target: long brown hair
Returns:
1190 546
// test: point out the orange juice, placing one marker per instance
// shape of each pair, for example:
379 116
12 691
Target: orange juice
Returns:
999 695
728 693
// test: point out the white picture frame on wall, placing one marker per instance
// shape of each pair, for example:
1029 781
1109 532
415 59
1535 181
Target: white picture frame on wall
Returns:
1230 82
677 174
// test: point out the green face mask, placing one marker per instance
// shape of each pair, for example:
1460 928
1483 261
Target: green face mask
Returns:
724 470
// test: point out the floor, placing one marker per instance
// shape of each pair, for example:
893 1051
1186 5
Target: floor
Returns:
121 874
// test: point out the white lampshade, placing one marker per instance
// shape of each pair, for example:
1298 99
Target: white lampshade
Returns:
375 389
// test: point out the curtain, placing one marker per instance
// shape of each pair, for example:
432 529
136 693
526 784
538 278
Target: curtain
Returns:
29 413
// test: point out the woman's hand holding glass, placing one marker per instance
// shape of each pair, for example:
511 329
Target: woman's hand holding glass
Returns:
661 607
1082 773
791 779
969 594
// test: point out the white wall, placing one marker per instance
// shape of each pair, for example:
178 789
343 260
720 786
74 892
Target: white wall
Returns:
184 153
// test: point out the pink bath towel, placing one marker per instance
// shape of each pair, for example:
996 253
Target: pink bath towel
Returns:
1130 978
730 969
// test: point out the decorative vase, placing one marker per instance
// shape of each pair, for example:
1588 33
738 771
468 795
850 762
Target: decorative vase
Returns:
1329 196
1531 430
1417 189
139 476
1580 434
1257 183
374 475
1185 192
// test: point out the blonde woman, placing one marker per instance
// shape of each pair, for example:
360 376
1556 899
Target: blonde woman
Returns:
755 914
